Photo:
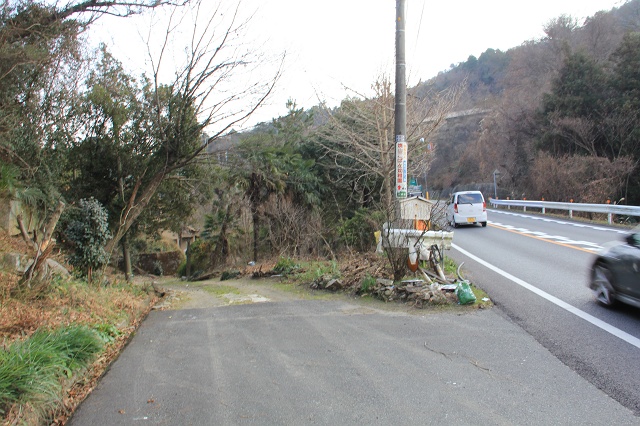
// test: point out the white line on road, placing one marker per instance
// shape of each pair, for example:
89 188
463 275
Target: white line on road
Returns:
553 238
562 222
567 307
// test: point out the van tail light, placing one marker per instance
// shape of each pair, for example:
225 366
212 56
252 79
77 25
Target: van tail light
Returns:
484 206
455 207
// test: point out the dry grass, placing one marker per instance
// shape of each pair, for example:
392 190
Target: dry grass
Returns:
66 302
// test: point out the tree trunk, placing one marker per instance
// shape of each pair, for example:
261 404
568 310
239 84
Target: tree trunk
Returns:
126 258
135 207
126 255
221 252
255 220
43 248
25 234
188 271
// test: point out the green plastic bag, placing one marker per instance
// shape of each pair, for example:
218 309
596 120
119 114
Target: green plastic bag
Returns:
464 293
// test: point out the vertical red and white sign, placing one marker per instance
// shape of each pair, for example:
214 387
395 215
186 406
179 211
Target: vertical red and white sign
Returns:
401 167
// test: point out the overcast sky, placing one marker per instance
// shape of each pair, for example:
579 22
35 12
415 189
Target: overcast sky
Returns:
331 44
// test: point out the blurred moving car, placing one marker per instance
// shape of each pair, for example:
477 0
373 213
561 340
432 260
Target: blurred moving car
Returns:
615 273
466 208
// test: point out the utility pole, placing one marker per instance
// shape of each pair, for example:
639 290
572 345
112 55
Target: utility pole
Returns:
400 129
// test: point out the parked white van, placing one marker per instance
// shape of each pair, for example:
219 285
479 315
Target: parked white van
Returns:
466 208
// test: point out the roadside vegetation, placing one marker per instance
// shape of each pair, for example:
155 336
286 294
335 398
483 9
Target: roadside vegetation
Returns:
55 349
32 371
367 276
57 341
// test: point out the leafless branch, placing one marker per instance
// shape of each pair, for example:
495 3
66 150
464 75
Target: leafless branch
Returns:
360 133
209 83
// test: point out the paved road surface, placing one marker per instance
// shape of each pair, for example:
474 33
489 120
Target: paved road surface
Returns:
333 362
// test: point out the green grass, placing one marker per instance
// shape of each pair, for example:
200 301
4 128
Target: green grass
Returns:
219 290
481 294
107 332
315 269
286 266
31 370
367 283
450 266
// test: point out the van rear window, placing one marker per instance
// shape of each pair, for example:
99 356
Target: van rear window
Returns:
470 198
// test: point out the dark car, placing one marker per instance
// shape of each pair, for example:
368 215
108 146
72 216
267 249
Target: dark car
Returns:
615 273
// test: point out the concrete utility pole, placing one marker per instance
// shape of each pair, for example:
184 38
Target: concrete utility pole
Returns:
400 129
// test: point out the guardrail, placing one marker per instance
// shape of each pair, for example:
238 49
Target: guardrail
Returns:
608 209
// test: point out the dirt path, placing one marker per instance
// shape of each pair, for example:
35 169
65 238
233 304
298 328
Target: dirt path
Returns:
212 293
245 290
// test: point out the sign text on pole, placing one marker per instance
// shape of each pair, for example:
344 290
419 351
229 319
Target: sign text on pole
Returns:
401 167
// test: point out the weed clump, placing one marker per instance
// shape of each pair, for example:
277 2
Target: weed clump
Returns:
32 370
286 266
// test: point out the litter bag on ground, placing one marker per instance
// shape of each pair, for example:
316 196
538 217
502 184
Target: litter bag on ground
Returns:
464 293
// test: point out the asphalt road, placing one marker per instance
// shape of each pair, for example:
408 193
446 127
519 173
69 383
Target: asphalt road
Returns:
536 268
337 362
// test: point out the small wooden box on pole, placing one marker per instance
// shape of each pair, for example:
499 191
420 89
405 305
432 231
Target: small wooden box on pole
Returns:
417 209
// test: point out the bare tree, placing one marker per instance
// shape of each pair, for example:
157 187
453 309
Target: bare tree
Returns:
577 130
359 140
291 229
601 34
588 179
215 88
559 32
359 137
505 139
38 19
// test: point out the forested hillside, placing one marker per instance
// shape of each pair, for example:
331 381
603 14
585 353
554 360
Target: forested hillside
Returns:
562 119
557 118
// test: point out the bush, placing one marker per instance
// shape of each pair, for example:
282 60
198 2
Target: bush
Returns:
200 252
89 233
581 178
357 232
31 370
313 270
157 268
286 266
108 333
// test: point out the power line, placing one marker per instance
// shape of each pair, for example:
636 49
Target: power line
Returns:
419 27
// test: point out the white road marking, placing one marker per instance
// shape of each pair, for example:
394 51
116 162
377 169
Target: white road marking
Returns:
558 238
562 222
558 302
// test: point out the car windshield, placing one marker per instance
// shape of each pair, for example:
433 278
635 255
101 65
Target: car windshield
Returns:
634 240
469 198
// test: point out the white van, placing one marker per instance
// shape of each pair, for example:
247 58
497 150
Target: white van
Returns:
467 208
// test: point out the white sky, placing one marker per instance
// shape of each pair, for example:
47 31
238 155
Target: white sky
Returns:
335 43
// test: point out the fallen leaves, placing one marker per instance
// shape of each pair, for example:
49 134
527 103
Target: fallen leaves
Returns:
65 303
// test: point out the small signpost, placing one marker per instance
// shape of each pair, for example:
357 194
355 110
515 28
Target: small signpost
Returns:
401 167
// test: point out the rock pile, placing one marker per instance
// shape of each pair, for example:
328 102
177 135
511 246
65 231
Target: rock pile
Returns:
414 292
326 282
